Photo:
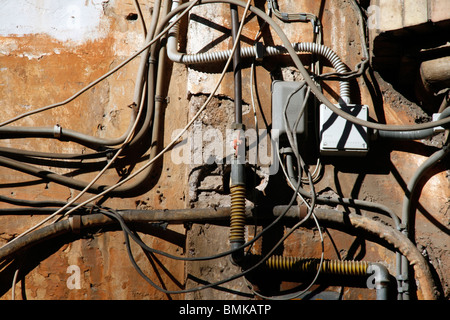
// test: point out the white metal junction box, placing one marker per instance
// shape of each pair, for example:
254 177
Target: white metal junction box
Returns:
341 137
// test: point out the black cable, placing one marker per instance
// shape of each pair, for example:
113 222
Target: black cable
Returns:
114 214
128 233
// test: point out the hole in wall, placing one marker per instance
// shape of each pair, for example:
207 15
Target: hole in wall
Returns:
131 16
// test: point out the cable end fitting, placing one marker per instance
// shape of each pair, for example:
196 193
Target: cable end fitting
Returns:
57 131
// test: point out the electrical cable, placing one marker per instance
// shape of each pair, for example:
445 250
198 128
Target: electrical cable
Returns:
300 17
255 119
31 203
91 183
215 256
236 276
362 66
13 287
296 295
12 152
173 141
126 229
140 16
263 15
310 213
84 139
169 146
290 17
354 203
209 285
108 153
194 258
293 142
321 97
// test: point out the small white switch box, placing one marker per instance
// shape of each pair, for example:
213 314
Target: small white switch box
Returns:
341 137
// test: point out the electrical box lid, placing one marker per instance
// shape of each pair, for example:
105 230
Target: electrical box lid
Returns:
339 136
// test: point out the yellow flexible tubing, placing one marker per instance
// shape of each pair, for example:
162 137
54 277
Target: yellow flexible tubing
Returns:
339 267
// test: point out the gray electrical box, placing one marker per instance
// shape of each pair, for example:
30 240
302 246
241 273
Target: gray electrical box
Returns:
289 95
341 137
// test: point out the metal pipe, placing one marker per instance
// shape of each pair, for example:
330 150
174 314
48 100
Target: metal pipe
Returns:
350 223
236 64
237 183
381 279
152 122
406 211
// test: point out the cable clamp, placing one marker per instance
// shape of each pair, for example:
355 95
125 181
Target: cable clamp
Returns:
75 223
401 277
286 150
259 50
57 131
162 99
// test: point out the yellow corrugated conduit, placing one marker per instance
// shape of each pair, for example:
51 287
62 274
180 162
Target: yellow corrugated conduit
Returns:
298 264
238 217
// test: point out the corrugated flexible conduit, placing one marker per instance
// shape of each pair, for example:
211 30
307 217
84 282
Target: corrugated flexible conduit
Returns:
297 264
251 52
314 89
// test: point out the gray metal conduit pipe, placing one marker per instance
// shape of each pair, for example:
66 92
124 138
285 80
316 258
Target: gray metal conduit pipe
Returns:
314 88
237 179
379 277
414 135
403 266
349 223
251 52
64 134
